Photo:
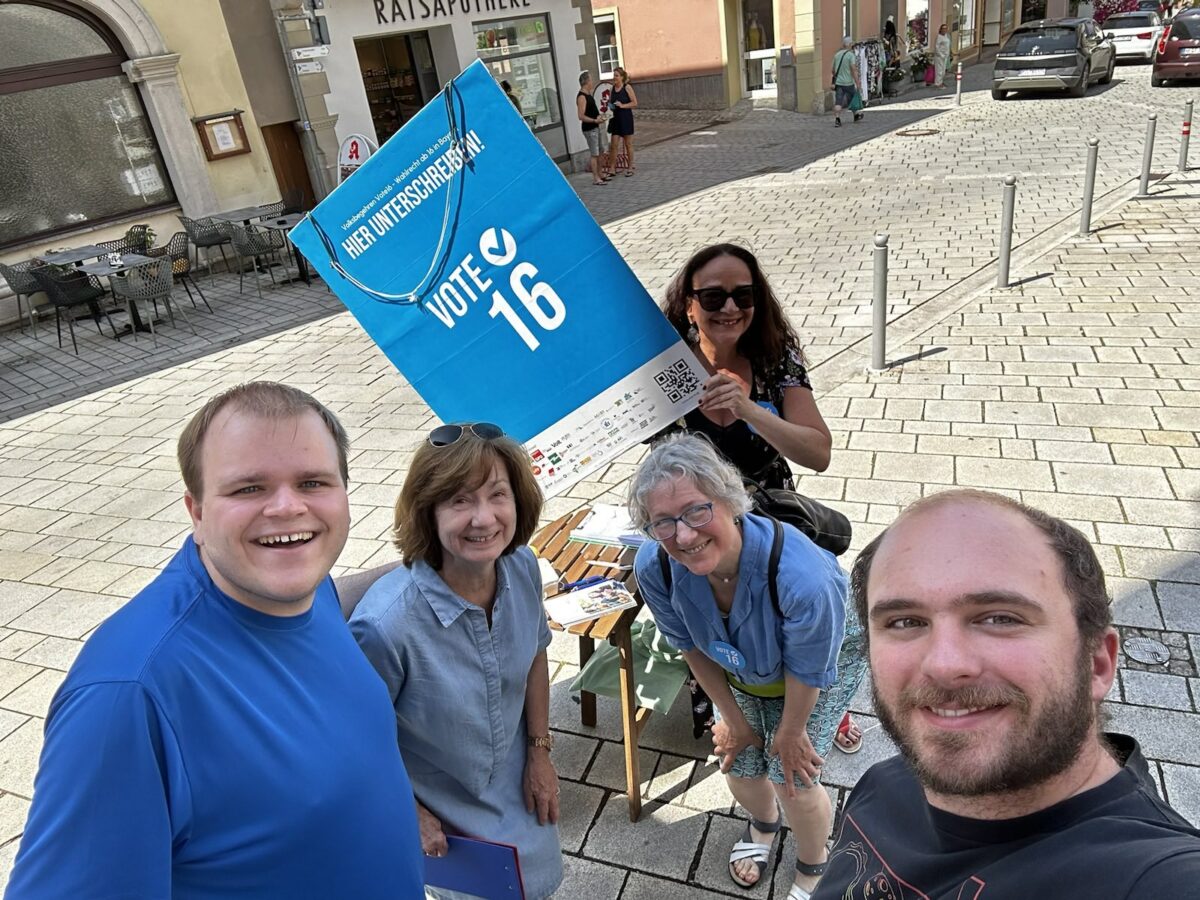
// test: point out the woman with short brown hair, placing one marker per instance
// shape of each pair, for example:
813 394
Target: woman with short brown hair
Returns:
459 636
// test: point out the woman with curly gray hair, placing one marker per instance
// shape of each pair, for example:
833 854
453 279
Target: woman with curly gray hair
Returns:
760 614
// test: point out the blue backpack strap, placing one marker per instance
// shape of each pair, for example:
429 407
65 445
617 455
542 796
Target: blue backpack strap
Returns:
773 565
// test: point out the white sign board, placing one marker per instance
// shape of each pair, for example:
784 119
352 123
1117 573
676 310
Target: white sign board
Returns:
309 68
310 52
355 150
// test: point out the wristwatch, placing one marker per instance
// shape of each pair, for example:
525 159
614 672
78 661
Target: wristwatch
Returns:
546 743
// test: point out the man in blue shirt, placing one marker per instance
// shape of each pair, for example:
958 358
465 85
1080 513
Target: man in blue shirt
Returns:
221 735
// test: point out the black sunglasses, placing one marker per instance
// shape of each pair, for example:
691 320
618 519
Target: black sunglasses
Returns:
445 435
712 299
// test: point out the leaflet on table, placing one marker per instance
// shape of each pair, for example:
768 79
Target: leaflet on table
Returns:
471 262
610 525
589 603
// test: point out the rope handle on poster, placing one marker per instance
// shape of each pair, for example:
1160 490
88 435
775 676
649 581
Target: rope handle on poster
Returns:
412 297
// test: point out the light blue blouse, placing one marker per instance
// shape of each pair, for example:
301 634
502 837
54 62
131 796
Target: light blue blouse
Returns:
812 596
458 689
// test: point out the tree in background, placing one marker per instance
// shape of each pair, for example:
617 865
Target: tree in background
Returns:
1106 8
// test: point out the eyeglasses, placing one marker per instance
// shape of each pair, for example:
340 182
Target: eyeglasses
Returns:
693 517
445 435
712 299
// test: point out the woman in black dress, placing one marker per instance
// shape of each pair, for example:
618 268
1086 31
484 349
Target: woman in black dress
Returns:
622 101
757 407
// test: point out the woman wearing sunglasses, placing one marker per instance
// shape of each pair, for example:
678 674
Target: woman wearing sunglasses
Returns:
781 657
459 636
757 407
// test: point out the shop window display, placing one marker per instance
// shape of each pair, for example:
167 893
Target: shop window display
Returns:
519 51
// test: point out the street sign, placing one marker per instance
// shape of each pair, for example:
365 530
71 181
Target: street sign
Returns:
309 68
300 53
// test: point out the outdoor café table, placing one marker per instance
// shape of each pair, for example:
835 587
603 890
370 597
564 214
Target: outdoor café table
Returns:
74 255
570 559
245 214
285 224
128 261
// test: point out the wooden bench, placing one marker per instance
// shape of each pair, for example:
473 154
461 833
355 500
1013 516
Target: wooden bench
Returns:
570 559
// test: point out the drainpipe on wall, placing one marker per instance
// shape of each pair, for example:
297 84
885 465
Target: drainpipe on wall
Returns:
314 158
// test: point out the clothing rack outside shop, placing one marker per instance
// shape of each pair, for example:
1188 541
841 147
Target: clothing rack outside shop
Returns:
872 60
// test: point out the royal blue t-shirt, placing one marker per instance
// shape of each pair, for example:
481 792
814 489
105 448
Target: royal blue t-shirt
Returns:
199 749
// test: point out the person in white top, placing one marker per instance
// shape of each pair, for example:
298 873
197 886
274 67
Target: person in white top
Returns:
941 56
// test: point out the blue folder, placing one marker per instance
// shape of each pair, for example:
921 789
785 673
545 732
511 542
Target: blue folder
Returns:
477 868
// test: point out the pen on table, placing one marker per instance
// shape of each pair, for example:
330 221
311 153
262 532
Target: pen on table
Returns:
584 582
605 564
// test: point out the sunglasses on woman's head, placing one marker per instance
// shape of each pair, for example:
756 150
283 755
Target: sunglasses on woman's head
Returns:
712 299
445 435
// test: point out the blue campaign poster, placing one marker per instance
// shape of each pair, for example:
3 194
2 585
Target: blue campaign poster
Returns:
471 262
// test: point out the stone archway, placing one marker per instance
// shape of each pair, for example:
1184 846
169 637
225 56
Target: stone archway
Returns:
155 70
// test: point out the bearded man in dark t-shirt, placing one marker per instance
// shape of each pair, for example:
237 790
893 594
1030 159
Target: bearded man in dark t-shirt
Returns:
991 647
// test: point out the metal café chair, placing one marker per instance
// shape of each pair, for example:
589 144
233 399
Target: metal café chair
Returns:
22 283
118 245
178 249
206 234
293 201
139 238
69 289
273 209
249 244
151 283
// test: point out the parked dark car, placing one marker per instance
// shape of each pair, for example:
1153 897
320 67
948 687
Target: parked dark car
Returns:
1054 54
1178 55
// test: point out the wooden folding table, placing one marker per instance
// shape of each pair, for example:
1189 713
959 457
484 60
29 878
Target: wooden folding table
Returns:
570 559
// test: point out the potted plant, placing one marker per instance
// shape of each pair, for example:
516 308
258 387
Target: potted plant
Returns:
920 61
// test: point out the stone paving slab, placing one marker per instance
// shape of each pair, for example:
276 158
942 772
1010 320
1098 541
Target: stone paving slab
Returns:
1003 389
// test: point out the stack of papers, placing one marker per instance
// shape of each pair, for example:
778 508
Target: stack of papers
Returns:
609 525
589 603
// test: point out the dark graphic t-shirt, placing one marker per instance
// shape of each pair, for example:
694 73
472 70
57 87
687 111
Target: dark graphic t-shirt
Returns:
1118 841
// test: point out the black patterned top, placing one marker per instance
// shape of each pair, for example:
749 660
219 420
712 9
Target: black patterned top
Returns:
738 442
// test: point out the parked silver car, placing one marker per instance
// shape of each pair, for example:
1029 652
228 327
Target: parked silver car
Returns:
1054 54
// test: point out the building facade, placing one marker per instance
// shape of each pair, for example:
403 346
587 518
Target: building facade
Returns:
709 54
102 104
388 58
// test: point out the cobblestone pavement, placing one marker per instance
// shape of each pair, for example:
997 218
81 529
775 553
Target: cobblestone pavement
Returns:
1073 390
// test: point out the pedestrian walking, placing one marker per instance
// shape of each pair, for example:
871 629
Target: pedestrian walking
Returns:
590 120
941 56
845 79
622 102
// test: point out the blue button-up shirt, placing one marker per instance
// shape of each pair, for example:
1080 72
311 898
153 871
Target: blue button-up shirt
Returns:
804 642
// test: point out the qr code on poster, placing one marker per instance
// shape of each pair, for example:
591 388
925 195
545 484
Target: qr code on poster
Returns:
677 381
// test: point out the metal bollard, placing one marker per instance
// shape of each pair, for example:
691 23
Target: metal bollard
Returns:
958 86
1006 229
1186 135
879 306
1147 157
1089 187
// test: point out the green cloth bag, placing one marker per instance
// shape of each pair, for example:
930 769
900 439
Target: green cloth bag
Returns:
856 102
658 668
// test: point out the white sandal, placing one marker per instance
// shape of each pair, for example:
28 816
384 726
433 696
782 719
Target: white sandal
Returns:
757 853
